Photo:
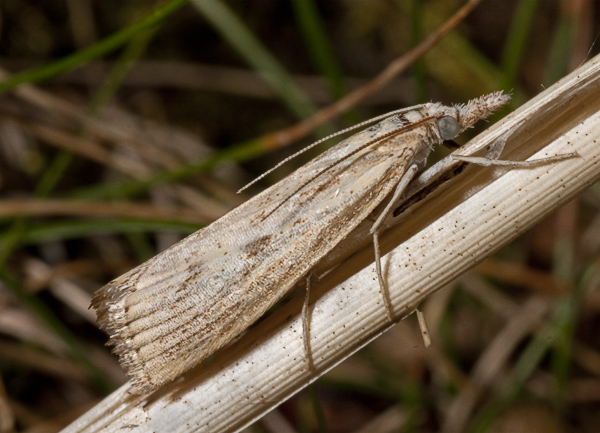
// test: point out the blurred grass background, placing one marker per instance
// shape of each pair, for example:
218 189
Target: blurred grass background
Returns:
125 125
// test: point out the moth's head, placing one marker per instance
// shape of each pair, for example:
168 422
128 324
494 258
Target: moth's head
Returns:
451 121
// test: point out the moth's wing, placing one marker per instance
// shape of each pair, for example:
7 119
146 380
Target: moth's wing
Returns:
176 309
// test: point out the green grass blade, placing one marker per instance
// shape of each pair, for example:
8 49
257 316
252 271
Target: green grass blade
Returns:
74 229
516 40
416 36
235 32
99 49
318 46
560 50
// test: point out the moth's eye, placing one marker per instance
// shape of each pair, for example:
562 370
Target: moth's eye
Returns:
448 127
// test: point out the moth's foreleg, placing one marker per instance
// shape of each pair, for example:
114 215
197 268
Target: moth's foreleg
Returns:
487 162
497 147
404 181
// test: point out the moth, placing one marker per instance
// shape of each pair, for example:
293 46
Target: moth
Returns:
171 312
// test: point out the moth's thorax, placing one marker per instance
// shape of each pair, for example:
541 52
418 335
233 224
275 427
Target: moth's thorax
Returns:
416 127
438 111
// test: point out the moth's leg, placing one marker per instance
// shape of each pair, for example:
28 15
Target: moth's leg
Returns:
424 328
487 162
306 326
406 178
497 147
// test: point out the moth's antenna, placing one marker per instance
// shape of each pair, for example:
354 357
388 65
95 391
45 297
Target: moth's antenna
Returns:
590 50
310 146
